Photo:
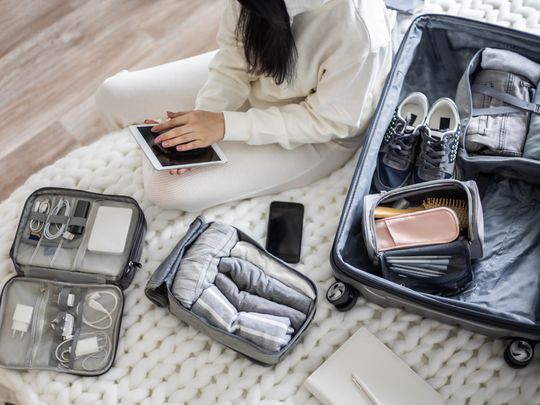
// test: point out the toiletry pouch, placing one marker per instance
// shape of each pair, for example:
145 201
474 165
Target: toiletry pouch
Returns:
74 253
425 235
226 285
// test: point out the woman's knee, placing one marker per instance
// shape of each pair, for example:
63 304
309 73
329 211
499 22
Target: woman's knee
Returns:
174 196
110 98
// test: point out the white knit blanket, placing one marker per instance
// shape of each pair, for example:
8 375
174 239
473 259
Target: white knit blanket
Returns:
162 360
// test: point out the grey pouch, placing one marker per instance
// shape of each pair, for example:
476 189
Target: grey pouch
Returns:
67 318
161 286
495 97
414 196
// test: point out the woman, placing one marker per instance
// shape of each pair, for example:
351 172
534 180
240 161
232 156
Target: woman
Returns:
291 88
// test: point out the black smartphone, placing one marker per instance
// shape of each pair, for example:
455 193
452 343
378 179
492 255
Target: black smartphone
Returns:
284 236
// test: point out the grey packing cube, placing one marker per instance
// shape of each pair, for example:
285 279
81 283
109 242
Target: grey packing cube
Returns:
161 288
63 310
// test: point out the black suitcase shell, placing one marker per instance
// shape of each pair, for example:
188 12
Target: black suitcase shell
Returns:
432 58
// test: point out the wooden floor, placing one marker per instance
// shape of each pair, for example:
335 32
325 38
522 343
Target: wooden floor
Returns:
55 53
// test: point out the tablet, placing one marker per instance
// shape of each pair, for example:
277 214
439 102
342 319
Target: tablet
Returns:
170 158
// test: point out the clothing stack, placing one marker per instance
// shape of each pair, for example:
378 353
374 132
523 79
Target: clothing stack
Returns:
234 286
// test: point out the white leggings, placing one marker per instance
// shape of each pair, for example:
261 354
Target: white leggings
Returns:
131 97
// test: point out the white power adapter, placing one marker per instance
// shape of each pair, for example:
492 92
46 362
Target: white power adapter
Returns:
21 319
87 346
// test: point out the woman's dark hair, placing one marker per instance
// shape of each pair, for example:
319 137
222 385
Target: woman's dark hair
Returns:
265 29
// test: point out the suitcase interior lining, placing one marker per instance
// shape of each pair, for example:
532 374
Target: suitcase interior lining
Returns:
507 280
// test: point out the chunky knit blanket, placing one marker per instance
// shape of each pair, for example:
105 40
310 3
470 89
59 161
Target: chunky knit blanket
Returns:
162 360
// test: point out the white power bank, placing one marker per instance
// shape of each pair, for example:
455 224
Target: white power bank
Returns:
364 371
110 230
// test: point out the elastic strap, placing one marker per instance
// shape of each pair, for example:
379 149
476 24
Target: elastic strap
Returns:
507 98
496 111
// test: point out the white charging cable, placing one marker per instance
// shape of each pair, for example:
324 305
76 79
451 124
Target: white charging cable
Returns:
42 207
87 348
92 300
63 204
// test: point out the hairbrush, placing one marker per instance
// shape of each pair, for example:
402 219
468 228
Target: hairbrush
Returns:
459 207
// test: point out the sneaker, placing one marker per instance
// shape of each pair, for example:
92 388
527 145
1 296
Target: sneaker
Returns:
439 141
398 150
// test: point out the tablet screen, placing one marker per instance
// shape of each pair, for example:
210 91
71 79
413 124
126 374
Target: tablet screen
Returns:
172 157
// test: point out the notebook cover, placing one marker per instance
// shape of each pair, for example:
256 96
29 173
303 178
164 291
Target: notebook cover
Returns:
383 374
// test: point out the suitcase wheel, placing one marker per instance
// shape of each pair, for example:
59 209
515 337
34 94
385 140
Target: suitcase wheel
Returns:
519 353
342 296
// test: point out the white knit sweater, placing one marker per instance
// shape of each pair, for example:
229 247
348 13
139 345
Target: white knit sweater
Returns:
344 54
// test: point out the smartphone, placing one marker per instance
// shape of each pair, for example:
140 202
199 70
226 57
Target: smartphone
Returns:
284 235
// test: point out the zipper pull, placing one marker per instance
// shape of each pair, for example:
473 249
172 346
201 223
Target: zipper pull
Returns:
132 264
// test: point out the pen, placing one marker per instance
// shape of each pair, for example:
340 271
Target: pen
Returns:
360 386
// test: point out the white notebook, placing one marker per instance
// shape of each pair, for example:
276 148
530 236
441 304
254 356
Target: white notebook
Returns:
383 378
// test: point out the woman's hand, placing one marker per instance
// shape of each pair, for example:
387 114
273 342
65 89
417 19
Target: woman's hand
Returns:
190 130
172 171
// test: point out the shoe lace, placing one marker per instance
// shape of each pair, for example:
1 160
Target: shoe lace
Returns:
400 139
434 151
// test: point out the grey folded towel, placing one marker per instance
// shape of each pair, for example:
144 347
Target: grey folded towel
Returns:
244 301
198 267
266 331
250 278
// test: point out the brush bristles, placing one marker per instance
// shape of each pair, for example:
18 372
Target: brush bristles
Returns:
458 206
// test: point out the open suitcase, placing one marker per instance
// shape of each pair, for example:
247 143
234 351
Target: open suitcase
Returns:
432 58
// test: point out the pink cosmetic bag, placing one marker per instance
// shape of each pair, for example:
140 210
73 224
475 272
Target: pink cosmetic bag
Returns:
429 227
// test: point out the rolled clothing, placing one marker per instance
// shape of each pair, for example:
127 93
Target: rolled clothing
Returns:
244 301
272 267
266 331
213 306
250 278
532 144
199 266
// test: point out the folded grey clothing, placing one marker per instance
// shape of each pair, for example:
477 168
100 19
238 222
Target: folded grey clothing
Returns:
501 134
244 301
532 144
266 331
198 267
508 61
251 278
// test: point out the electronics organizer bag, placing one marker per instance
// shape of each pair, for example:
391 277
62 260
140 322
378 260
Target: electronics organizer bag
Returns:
503 298
161 289
74 253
